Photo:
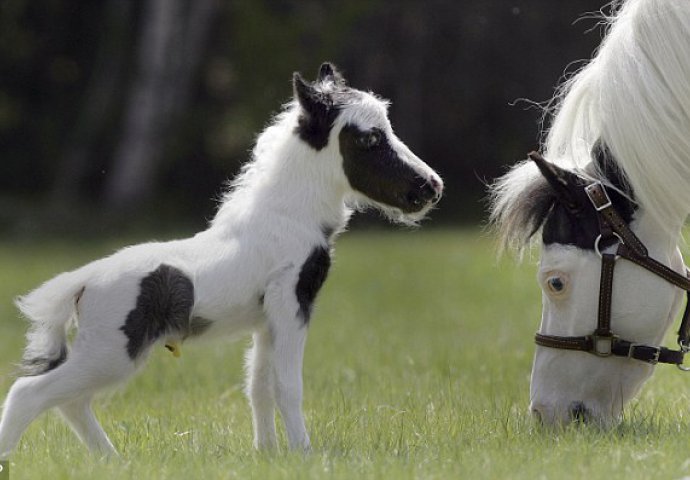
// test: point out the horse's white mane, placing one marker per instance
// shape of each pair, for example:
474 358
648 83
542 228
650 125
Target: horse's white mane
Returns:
634 95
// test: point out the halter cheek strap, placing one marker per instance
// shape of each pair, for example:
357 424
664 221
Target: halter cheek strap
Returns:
602 342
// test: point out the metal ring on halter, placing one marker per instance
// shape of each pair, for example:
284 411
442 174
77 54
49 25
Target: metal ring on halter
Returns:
685 349
596 244
682 368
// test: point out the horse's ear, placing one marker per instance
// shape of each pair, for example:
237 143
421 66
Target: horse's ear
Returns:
564 183
328 73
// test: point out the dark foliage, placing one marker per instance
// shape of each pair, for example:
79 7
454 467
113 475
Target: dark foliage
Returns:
455 71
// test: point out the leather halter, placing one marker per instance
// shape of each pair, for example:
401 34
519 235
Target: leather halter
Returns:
603 342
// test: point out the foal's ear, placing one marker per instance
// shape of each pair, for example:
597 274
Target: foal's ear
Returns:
329 73
565 184
312 101
317 112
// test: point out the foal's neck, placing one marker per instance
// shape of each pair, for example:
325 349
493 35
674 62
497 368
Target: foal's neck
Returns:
289 182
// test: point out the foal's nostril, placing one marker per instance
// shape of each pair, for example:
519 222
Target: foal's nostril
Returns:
424 193
578 412
428 192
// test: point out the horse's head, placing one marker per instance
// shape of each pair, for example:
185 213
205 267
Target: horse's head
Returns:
575 374
376 167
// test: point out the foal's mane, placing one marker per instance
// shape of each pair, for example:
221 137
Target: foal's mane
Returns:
634 96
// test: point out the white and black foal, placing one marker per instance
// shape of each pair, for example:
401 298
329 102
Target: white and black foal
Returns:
257 268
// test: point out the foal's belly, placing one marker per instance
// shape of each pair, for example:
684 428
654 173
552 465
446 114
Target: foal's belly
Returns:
232 321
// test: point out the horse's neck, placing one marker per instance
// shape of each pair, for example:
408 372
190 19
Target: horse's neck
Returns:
657 237
290 184
660 240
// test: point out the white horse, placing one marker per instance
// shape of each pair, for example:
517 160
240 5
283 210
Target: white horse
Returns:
257 268
623 121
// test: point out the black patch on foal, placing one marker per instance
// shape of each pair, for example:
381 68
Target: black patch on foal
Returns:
41 365
320 104
315 128
311 277
164 306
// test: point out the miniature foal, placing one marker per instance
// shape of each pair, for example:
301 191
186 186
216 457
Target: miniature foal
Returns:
257 268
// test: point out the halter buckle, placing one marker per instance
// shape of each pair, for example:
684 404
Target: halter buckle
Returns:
598 196
602 345
652 361
684 347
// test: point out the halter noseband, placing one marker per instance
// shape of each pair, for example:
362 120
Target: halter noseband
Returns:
602 342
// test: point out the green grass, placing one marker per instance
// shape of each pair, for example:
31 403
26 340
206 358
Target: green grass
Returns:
417 366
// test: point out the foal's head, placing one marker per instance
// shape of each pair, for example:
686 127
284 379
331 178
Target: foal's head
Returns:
567 384
376 167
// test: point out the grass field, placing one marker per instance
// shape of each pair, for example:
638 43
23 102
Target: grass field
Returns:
417 366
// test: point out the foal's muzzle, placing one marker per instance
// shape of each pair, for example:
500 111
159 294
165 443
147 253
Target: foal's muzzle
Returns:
423 193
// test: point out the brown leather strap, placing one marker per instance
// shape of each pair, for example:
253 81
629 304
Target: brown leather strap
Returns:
602 342
610 217
647 353
619 348
671 276
684 329
583 344
608 262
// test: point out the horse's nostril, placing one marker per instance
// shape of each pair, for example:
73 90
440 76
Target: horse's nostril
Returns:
536 414
578 412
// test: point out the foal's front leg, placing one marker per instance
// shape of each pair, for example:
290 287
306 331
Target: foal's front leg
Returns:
260 390
288 335
288 351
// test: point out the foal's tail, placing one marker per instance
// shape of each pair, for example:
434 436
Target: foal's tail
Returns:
50 309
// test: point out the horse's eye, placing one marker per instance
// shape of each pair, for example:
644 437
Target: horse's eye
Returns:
555 284
369 139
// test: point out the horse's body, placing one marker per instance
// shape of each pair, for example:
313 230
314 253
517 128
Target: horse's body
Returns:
623 120
257 268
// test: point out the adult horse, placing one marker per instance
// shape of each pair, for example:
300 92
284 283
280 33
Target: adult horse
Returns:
613 193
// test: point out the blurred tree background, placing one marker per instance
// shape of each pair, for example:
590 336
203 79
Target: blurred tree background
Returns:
120 112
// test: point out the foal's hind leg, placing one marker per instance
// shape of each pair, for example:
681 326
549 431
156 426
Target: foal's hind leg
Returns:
80 417
27 399
21 407
77 378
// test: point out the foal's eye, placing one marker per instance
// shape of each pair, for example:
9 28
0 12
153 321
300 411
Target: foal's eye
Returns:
555 284
369 139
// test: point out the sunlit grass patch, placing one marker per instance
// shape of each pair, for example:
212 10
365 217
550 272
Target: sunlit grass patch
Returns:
417 366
